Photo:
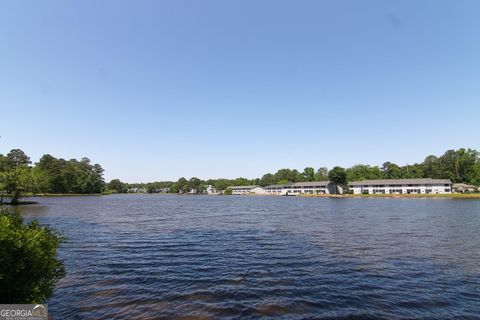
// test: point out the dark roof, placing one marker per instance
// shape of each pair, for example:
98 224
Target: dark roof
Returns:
299 184
463 185
400 181
243 187
311 184
276 186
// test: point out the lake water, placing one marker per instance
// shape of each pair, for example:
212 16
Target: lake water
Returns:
241 257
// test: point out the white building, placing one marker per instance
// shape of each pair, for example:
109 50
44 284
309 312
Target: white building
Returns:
212 190
137 190
402 186
464 188
238 190
313 187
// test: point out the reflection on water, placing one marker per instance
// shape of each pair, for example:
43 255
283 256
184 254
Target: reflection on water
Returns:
209 257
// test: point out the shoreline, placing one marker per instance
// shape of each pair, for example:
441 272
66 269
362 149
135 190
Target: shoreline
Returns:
394 196
397 196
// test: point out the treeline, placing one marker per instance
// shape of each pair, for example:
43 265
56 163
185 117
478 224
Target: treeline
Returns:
52 175
116 186
462 165
48 175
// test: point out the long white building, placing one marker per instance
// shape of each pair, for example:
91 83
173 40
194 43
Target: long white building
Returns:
239 190
402 186
314 187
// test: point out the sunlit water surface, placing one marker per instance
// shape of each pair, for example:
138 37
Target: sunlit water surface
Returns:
249 257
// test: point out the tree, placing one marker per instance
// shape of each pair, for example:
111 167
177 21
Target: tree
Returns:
17 157
287 174
116 186
242 182
391 171
228 191
338 175
413 171
29 266
321 174
194 185
2 186
4 163
309 174
179 186
222 184
267 179
363 172
16 181
476 175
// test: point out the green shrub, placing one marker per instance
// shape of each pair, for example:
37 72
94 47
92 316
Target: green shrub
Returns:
228 192
29 266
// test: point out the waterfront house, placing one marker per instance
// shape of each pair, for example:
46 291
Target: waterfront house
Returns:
402 186
212 190
463 188
239 190
310 187
137 190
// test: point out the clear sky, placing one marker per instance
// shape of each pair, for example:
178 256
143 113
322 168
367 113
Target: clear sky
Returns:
155 90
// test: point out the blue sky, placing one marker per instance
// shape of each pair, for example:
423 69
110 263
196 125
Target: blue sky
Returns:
155 90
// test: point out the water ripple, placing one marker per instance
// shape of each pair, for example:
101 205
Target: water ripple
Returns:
187 257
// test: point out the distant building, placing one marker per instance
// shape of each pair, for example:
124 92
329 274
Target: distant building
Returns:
137 190
275 189
212 190
464 188
313 187
239 190
402 186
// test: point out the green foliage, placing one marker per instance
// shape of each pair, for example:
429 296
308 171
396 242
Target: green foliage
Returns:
153 187
179 186
221 184
16 158
29 266
338 175
228 192
71 176
242 182
116 186
321 174
289 175
194 185
363 172
49 175
267 179
391 171
309 174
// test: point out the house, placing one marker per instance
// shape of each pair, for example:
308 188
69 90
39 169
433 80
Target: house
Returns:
238 190
402 186
464 188
311 187
212 190
137 190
